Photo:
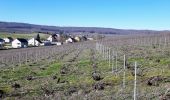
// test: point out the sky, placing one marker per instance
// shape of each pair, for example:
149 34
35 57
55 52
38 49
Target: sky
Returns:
122 14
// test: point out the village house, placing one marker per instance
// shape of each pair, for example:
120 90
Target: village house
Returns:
70 40
77 39
91 39
83 38
56 43
54 38
50 38
34 42
8 39
2 42
46 43
20 43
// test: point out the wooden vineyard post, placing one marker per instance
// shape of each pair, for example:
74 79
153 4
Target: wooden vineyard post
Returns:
109 58
19 58
36 54
134 95
105 53
116 63
40 55
102 51
26 58
1 60
151 42
4 60
160 43
49 57
113 61
165 43
96 46
99 48
124 73
154 41
13 64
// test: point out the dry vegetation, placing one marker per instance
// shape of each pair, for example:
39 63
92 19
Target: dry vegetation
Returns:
89 70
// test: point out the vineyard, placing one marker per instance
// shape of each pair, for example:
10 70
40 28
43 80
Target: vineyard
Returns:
114 68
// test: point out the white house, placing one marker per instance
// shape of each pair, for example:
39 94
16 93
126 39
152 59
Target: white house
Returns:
91 39
50 38
2 42
70 40
54 38
77 39
8 40
34 42
20 43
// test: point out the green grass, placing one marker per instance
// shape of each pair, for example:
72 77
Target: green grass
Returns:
26 36
80 75
14 74
51 69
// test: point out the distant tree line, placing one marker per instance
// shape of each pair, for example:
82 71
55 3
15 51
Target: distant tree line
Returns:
30 28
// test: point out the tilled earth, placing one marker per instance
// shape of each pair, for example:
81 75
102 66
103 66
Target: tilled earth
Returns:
83 74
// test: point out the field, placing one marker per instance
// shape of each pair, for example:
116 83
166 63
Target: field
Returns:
93 70
26 36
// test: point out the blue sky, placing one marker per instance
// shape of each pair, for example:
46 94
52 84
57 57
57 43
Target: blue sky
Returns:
124 14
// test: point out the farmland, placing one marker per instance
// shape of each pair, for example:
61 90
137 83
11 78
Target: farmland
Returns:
92 70
26 36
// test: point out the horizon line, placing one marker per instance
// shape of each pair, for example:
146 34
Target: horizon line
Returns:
86 26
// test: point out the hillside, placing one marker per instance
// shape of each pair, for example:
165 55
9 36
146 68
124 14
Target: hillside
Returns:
29 28
91 70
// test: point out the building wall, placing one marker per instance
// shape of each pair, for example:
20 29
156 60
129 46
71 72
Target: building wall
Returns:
6 40
2 42
24 45
69 40
1 46
33 42
50 39
16 44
